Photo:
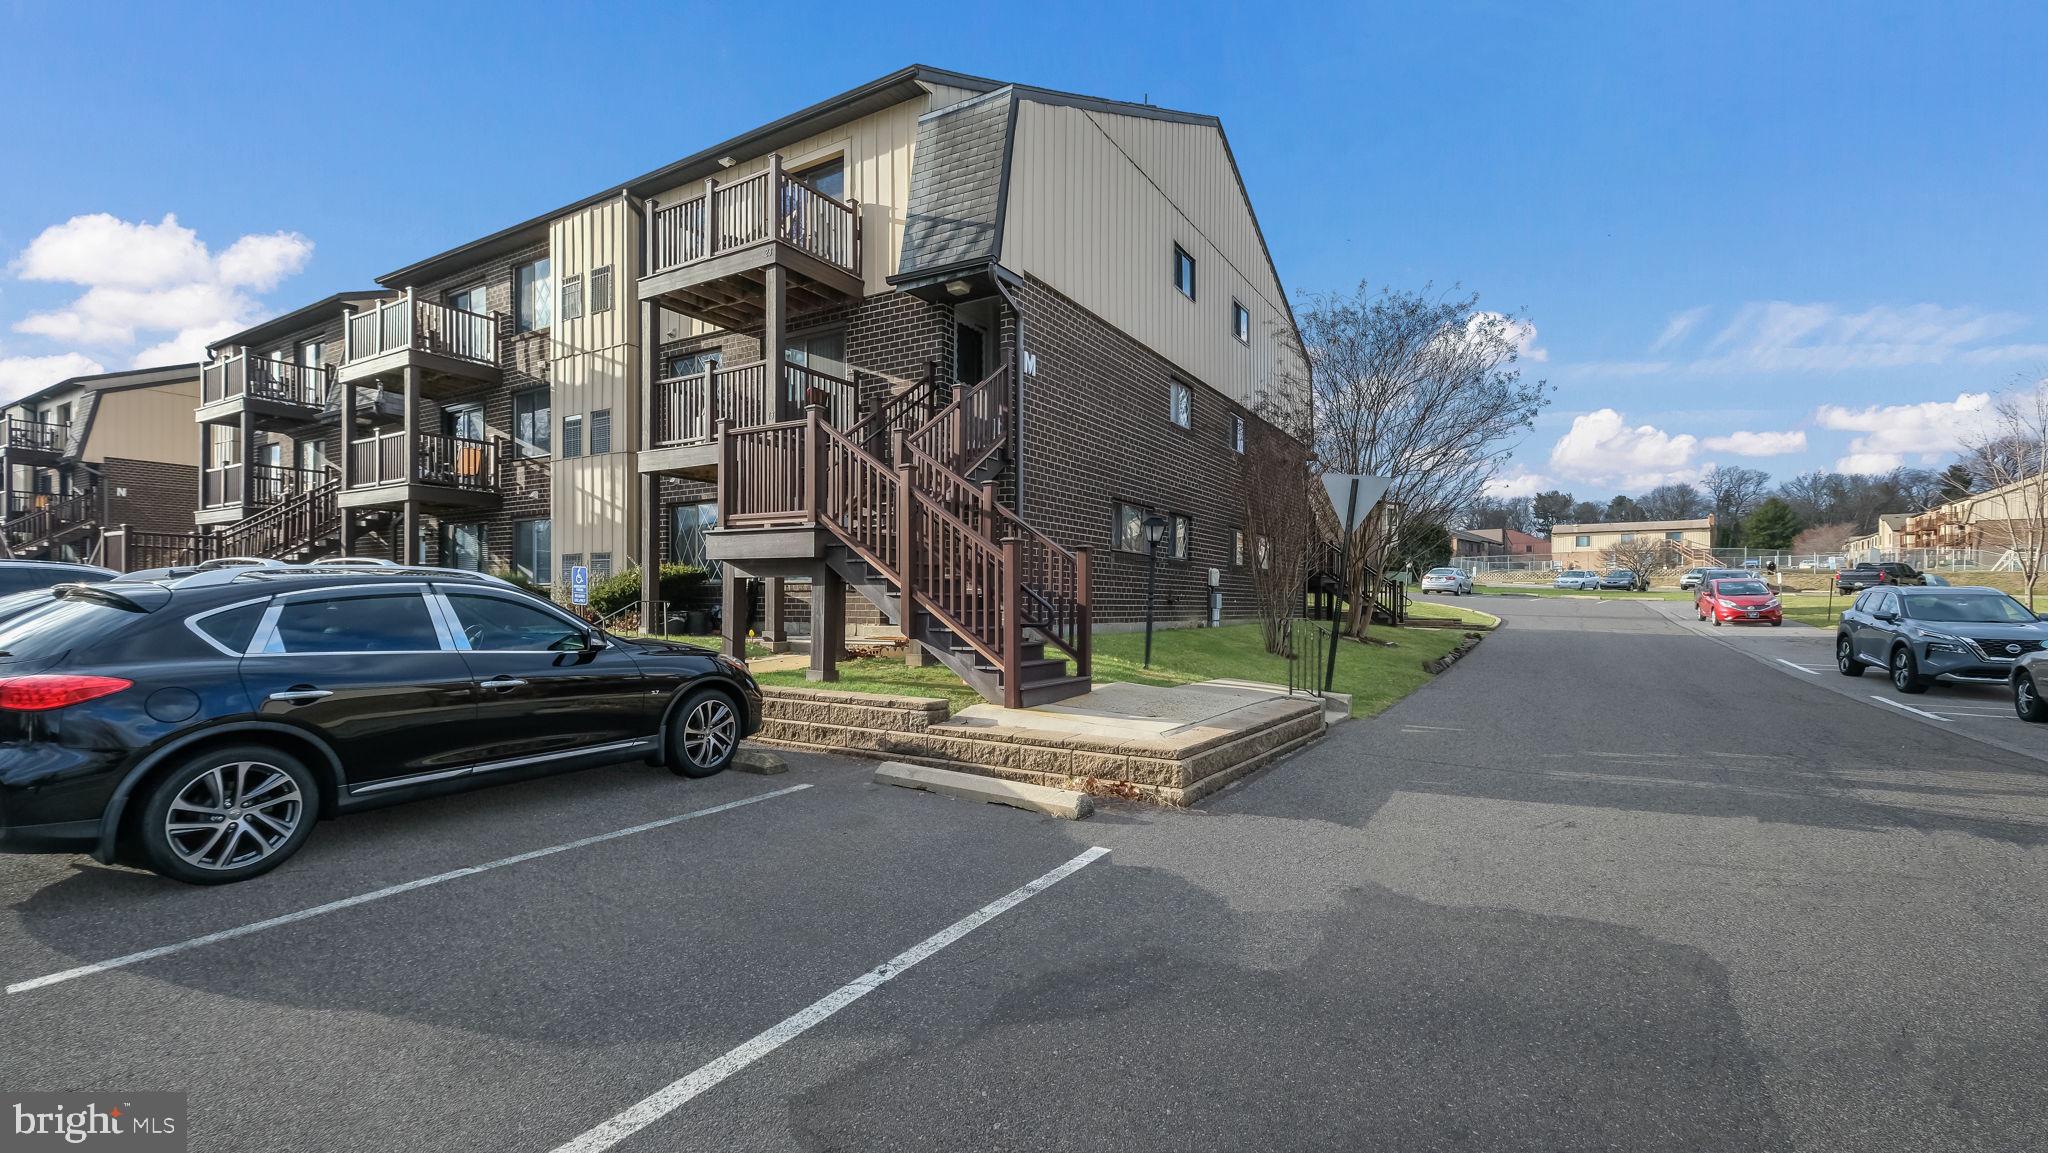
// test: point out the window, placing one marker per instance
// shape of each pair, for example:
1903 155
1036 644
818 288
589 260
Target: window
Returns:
496 624
463 420
1582 541
1676 535
1183 272
1130 528
692 363
600 565
232 628
572 297
531 423
600 432
369 624
532 550
1265 553
533 296
462 546
1180 403
601 290
828 178
571 561
686 526
572 436
310 455
1240 322
312 353
1179 537
471 299
1237 548
1237 434
1628 538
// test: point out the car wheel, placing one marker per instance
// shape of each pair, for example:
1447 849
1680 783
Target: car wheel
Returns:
705 735
228 814
1845 658
1906 671
2026 699
1717 620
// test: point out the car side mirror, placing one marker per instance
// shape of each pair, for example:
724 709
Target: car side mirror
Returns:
593 641
1888 618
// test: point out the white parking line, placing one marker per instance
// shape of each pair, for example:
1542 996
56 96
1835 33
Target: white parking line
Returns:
1801 668
380 894
680 1092
1908 708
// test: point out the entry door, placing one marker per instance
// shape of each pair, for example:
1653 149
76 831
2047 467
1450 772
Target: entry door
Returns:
463 420
970 353
540 692
370 673
822 351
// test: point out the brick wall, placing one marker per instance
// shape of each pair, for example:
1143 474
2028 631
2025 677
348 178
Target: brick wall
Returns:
148 495
1094 430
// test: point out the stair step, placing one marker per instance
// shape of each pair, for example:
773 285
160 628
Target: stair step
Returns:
1033 670
1057 689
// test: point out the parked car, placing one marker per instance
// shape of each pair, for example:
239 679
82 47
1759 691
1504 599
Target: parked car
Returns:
1933 581
200 725
1738 600
1690 579
1454 581
1919 635
1627 580
1858 577
23 575
2028 677
1575 578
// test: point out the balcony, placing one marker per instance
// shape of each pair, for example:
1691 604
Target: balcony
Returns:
450 348
275 393
446 471
710 256
687 410
36 441
36 520
229 492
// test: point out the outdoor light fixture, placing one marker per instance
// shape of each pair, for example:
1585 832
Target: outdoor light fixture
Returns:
726 162
1155 528
959 287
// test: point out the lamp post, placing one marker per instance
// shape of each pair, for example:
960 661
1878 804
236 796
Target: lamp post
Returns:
1155 527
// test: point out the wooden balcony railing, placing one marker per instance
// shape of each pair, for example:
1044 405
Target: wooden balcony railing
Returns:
770 205
420 325
37 435
687 409
964 432
270 484
288 524
449 461
34 516
265 378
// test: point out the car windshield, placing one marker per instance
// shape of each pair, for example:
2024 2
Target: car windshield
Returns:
1444 572
1619 573
1968 608
58 626
1741 588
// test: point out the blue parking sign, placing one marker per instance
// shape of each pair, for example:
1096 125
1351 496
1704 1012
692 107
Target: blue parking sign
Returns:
579 585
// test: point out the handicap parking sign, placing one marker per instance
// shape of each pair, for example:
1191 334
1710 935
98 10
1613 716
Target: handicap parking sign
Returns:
579 585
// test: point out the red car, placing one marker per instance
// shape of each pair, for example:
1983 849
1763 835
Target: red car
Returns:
1745 600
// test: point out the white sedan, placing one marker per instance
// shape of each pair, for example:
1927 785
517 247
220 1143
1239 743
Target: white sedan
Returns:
1456 582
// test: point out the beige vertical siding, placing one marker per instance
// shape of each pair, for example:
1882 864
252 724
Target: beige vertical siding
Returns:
152 423
1097 202
593 364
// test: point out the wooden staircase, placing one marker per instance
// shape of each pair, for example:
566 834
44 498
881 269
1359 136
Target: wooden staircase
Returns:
299 528
40 532
907 505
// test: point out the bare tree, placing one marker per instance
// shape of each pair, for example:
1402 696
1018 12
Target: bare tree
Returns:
1280 525
2011 458
1734 490
1672 502
1416 386
1823 538
1643 554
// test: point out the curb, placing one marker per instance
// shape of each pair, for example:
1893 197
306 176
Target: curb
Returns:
1445 661
1068 806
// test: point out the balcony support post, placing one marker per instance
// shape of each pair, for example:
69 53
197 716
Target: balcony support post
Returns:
651 621
775 337
828 624
771 616
246 437
409 549
735 614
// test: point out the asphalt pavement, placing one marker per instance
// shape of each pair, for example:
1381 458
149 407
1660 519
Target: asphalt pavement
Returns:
1609 883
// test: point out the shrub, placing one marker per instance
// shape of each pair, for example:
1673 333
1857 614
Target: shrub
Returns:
681 584
516 577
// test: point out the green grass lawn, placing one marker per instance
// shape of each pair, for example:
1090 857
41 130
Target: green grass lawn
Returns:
1376 676
716 643
1547 591
1816 613
1433 608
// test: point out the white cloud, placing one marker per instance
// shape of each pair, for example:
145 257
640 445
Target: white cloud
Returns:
1757 443
1678 328
144 279
1601 447
1779 336
1890 433
1519 484
21 375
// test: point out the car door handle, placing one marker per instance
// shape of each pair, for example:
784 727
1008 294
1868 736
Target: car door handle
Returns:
301 696
504 683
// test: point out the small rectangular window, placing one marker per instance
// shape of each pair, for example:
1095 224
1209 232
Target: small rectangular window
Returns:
1265 553
532 421
1674 536
1180 541
570 562
1237 434
600 432
1582 541
601 290
1237 548
1240 322
533 295
1180 403
572 437
572 297
600 565
1183 272
533 550
1130 528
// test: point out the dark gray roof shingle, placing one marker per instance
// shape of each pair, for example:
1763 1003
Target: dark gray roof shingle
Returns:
956 185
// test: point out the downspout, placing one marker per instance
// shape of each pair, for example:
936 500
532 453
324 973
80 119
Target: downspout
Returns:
1016 366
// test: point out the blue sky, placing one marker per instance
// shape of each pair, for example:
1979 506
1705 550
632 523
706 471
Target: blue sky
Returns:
1821 226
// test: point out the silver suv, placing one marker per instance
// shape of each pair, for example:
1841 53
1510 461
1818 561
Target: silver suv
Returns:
1921 634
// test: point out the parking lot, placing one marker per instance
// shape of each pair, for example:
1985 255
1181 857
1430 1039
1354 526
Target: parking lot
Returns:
1509 913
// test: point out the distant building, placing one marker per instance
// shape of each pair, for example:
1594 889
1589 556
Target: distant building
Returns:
1498 543
1592 545
1890 527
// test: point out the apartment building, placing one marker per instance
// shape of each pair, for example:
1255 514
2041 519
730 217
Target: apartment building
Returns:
88 453
1055 314
1593 545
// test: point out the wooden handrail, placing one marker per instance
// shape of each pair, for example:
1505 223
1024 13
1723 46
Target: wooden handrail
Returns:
971 426
768 205
407 322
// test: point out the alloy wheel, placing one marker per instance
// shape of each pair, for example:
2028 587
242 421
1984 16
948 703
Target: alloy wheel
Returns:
234 815
1902 670
709 732
2024 699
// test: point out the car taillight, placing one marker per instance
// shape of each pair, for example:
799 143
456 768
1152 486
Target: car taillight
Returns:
40 692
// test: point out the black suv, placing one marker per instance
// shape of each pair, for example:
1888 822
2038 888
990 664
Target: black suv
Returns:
200 724
1856 578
